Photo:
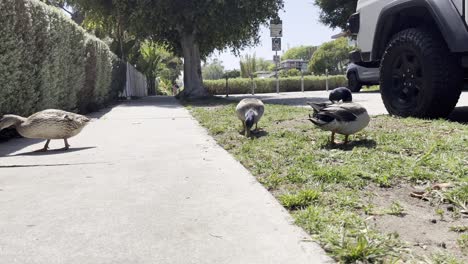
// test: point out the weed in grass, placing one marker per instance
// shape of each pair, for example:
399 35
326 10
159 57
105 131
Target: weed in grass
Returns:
296 176
384 181
459 196
440 212
369 209
396 209
463 243
302 199
368 248
271 182
442 258
459 229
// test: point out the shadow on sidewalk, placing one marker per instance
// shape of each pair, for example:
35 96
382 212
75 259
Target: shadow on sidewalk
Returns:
16 144
51 152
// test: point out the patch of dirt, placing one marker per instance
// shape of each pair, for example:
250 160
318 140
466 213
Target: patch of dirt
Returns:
294 123
419 225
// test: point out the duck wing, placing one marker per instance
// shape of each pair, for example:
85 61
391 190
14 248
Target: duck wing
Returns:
339 113
319 106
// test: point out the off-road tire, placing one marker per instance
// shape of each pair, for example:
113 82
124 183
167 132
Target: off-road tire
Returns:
353 83
440 76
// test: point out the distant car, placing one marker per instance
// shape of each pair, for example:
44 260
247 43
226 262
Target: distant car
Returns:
363 73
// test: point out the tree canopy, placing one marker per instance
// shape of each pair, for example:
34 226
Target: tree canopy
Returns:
332 55
335 13
192 29
299 53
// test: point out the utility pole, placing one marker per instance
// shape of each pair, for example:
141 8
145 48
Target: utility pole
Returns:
303 69
277 75
326 78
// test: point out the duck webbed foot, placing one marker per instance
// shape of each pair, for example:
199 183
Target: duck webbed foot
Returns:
67 146
346 141
45 148
332 139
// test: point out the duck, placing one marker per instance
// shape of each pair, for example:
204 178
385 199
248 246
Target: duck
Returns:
345 118
342 94
47 124
250 111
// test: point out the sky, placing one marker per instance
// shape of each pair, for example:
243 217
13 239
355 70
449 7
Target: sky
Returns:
301 26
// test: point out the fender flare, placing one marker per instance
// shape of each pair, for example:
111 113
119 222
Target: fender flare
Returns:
449 22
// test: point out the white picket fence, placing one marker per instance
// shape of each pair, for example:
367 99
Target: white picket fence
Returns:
136 83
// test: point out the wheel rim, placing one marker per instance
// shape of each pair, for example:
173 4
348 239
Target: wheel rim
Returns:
407 80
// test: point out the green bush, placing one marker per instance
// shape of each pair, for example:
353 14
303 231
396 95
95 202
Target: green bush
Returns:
47 61
291 84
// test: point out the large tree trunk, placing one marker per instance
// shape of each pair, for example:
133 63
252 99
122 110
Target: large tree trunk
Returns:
193 81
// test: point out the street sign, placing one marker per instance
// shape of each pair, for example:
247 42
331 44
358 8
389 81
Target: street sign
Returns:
276 30
276 21
276 44
304 67
276 58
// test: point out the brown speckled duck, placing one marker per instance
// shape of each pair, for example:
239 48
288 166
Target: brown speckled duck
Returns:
48 124
249 111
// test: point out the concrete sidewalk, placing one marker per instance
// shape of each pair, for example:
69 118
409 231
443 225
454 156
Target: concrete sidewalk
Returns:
144 183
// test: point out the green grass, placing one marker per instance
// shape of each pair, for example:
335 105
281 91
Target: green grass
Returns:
373 88
323 185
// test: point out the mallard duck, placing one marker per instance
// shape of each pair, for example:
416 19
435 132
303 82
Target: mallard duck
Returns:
249 111
48 124
341 94
340 118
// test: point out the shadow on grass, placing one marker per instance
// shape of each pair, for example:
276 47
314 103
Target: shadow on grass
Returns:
459 114
255 135
362 143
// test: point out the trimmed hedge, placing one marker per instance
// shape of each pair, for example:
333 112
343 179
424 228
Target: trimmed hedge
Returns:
291 84
47 61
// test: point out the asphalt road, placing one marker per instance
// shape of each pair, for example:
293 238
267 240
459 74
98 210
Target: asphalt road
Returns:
371 100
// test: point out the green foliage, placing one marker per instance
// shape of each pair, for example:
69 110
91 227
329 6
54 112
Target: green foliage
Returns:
294 72
47 61
335 13
248 65
299 53
291 84
216 24
232 74
332 55
155 61
264 65
213 70
192 29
